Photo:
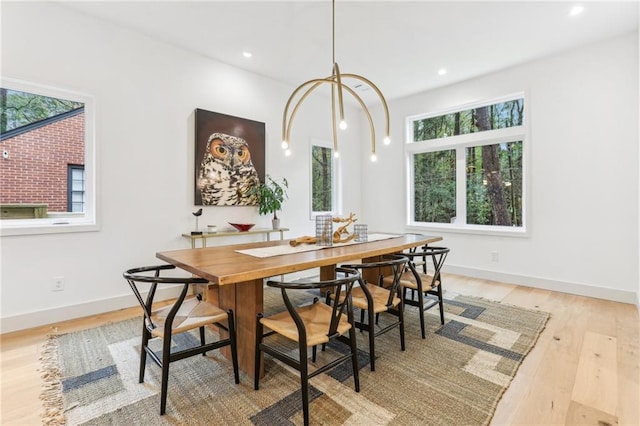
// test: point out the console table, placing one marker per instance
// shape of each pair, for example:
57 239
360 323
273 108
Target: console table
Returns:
205 235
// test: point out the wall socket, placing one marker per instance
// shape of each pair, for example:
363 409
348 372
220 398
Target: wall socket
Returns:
57 284
495 257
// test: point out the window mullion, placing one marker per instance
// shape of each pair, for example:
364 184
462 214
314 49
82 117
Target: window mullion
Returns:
461 187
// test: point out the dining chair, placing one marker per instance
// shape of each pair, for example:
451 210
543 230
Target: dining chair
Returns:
184 314
374 299
422 277
310 325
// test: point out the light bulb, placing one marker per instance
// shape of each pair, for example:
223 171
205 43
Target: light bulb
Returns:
386 140
287 153
343 125
285 145
336 154
374 158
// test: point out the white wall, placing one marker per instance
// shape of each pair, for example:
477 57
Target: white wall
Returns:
584 218
583 224
145 94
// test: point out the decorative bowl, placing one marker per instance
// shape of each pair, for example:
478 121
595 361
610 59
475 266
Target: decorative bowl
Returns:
242 227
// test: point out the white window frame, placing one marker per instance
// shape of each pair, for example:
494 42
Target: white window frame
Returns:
72 222
336 184
459 143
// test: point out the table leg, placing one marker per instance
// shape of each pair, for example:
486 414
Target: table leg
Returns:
372 275
327 272
246 300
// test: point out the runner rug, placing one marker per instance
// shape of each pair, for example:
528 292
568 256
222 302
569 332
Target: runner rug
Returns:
455 376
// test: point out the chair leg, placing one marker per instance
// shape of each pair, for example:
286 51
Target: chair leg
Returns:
258 353
314 351
401 316
143 352
421 312
354 358
372 345
304 383
441 303
234 344
202 342
166 361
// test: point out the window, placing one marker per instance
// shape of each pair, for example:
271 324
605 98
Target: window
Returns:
324 180
75 189
47 167
466 167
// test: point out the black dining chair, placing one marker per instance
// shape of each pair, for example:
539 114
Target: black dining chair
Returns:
184 314
422 278
310 325
374 299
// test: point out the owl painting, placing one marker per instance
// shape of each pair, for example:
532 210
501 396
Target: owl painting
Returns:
226 172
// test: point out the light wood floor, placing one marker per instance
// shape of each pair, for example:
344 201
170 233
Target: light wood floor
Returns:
584 370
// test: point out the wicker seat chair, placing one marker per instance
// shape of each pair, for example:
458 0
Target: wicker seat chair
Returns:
422 278
184 314
310 325
374 299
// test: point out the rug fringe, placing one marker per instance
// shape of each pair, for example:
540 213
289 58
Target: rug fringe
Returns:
52 385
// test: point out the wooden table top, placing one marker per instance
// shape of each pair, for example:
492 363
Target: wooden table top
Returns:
223 265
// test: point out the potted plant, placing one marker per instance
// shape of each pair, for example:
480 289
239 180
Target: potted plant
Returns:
270 195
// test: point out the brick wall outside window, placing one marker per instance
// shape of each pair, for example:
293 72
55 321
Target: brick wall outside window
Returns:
36 170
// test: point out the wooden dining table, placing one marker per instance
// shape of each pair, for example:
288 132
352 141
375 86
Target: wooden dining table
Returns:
237 279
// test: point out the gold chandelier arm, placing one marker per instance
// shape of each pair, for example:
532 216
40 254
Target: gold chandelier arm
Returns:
333 118
380 95
338 79
368 114
286 127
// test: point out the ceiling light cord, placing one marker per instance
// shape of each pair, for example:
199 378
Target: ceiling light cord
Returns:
337 88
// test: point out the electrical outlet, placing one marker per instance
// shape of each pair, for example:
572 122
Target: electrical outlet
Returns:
57 284
495 257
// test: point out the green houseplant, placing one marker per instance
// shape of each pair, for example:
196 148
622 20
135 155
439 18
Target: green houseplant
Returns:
270 195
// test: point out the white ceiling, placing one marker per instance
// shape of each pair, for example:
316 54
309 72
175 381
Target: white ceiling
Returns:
398 45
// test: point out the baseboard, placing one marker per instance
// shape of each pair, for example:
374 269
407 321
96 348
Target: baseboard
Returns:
64 313
579 289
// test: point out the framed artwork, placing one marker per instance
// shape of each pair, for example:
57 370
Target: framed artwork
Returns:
229 160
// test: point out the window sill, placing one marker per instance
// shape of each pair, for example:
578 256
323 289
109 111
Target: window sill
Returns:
45 226
501 231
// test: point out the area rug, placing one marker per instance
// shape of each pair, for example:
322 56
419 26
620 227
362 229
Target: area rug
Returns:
455 376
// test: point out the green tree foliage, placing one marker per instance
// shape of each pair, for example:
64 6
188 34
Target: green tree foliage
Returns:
479 205
18 109
493 172
503 115
435 186
321 179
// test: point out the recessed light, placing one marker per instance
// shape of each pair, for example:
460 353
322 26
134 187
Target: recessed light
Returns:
576 10
442 71
247 54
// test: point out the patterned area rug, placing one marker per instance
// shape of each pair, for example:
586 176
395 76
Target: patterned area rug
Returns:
456 375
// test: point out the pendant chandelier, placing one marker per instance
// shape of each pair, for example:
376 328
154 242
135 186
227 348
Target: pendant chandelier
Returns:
336 80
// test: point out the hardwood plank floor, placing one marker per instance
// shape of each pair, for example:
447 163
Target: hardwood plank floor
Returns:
566 363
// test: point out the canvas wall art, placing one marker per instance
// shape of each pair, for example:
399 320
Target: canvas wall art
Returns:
229 160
